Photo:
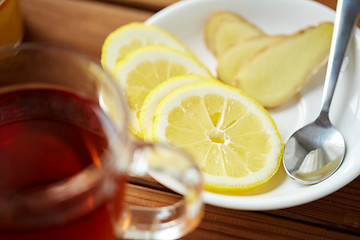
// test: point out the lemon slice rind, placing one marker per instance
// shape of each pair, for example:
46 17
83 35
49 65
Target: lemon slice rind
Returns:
132 36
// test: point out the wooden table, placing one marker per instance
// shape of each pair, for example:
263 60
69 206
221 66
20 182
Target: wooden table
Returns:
83 25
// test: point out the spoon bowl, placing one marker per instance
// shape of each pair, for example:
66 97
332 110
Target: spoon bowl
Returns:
316 151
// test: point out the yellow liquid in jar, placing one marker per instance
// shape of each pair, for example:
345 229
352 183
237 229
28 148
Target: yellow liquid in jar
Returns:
11 25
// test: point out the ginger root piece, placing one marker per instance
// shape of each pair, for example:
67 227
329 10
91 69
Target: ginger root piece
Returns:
276 74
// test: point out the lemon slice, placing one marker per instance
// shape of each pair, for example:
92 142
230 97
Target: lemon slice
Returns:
147 112
132 36
145 68
233 138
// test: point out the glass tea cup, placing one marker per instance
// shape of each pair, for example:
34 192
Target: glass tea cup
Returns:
11 25
66 154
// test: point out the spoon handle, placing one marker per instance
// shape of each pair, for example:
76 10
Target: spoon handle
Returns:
346 16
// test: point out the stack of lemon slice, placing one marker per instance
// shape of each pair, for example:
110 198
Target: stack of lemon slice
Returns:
173 98
142 56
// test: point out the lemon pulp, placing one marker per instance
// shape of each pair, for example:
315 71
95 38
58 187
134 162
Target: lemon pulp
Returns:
233 139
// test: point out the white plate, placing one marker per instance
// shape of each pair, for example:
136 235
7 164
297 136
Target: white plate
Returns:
186 20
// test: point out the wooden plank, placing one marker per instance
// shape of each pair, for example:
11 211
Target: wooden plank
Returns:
144 196
152 5
54 21
219 223
339 209
149 182
80 25
156 5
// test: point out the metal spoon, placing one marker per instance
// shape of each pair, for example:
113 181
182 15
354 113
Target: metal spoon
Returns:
316 151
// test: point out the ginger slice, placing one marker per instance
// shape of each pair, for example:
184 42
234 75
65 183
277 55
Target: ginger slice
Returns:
236 56
225 28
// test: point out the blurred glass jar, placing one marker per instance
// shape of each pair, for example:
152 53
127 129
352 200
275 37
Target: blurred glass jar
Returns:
11 25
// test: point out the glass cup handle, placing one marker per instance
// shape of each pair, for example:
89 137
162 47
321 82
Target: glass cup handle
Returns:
177 171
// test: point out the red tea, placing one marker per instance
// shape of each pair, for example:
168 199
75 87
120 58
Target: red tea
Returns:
47 136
